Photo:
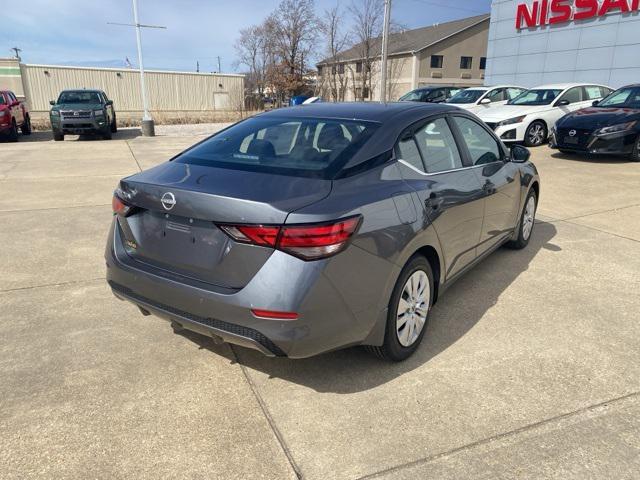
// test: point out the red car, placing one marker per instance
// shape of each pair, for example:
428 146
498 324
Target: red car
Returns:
13 115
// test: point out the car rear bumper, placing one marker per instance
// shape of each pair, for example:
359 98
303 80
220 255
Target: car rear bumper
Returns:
614 144
284 283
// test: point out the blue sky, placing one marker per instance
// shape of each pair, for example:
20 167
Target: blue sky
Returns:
72 32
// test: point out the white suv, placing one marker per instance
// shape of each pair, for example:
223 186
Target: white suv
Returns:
529 117
478 99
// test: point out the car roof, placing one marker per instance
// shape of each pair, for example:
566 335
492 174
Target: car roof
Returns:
365 111
564 86
89 90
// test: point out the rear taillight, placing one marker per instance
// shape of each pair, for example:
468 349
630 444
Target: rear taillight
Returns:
308 241
119 206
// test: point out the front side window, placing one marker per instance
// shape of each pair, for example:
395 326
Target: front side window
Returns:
628 97
358 67
514 92
436 61
536 97
466 62
287 146
573 95
483 148
438 146
496 95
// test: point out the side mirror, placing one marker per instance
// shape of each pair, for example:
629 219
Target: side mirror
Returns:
563 103
520 154
109 102
595 103
52 102
15 103
485 101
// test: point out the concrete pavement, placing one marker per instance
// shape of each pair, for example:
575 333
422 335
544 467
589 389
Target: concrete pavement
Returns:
530 366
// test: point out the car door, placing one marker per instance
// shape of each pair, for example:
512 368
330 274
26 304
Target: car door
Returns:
16 108
450 193
569 101
500 180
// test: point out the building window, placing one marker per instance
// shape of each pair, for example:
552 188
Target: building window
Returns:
436 61
341 68
333 70
365 92
358 67
483 63
319 70
465 63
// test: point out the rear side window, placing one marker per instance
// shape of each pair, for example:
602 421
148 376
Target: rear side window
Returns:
407 151
483 148
438 146
287 146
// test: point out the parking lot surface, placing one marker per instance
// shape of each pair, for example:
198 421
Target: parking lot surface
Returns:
530 367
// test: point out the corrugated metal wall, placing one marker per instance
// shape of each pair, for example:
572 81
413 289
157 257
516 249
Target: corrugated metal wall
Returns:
168 91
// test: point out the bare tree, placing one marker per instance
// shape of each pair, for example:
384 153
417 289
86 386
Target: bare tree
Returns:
294 28
367 18
251 51
336 40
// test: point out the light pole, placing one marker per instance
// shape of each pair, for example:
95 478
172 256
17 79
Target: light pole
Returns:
148 129
385 47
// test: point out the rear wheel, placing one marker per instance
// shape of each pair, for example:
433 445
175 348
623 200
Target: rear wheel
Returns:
527 222
26 126
13 132
536 134
114 124
409 308
635 154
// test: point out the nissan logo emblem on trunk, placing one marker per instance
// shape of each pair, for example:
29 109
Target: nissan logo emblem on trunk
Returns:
572 133
168 200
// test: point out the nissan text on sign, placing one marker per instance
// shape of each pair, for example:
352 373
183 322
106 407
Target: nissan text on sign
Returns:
549 12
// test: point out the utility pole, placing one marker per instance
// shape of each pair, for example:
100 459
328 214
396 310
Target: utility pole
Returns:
385 52
17 52
197 66
219 67
148 129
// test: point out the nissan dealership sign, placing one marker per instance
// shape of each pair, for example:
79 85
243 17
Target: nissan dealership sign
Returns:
549 12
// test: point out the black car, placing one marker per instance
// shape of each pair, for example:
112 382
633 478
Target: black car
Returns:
610 127
434 94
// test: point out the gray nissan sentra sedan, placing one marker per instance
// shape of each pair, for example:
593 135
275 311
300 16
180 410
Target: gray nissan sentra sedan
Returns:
313 228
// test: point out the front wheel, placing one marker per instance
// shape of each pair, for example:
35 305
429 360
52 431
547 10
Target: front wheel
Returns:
526 224
536 134
107 135
58 137
114 124
409 308
13 132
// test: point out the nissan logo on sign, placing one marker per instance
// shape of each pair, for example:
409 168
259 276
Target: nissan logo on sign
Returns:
549 12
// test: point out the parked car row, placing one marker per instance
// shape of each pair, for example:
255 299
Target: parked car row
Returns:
574 117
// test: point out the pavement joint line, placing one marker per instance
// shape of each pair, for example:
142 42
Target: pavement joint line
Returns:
498 437
57 284
133 155
601 231
593 213
268 417
54 208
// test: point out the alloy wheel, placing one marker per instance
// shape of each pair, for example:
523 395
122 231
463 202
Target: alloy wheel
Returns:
528 218
413 308
536 134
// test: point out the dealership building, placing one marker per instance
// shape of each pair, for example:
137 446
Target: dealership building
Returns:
534 42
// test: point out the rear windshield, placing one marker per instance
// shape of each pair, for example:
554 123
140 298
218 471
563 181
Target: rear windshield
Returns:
624 98
79 97
308 147
466 96
536 97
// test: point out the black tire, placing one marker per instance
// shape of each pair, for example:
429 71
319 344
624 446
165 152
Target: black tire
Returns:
536 134
523 239
566 152
635 154
107 135
58 137
26 126
114 124
13 132
392 349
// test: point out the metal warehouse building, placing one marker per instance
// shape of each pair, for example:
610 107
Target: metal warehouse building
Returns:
532 42
170 93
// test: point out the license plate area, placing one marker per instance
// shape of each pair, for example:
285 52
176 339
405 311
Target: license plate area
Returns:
571 140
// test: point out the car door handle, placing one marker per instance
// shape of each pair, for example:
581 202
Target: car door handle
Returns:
489 188
432 202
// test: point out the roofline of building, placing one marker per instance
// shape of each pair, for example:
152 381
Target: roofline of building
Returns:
411 52
126 69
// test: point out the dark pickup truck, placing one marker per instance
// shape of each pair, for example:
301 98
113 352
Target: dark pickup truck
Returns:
13 116
79 112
